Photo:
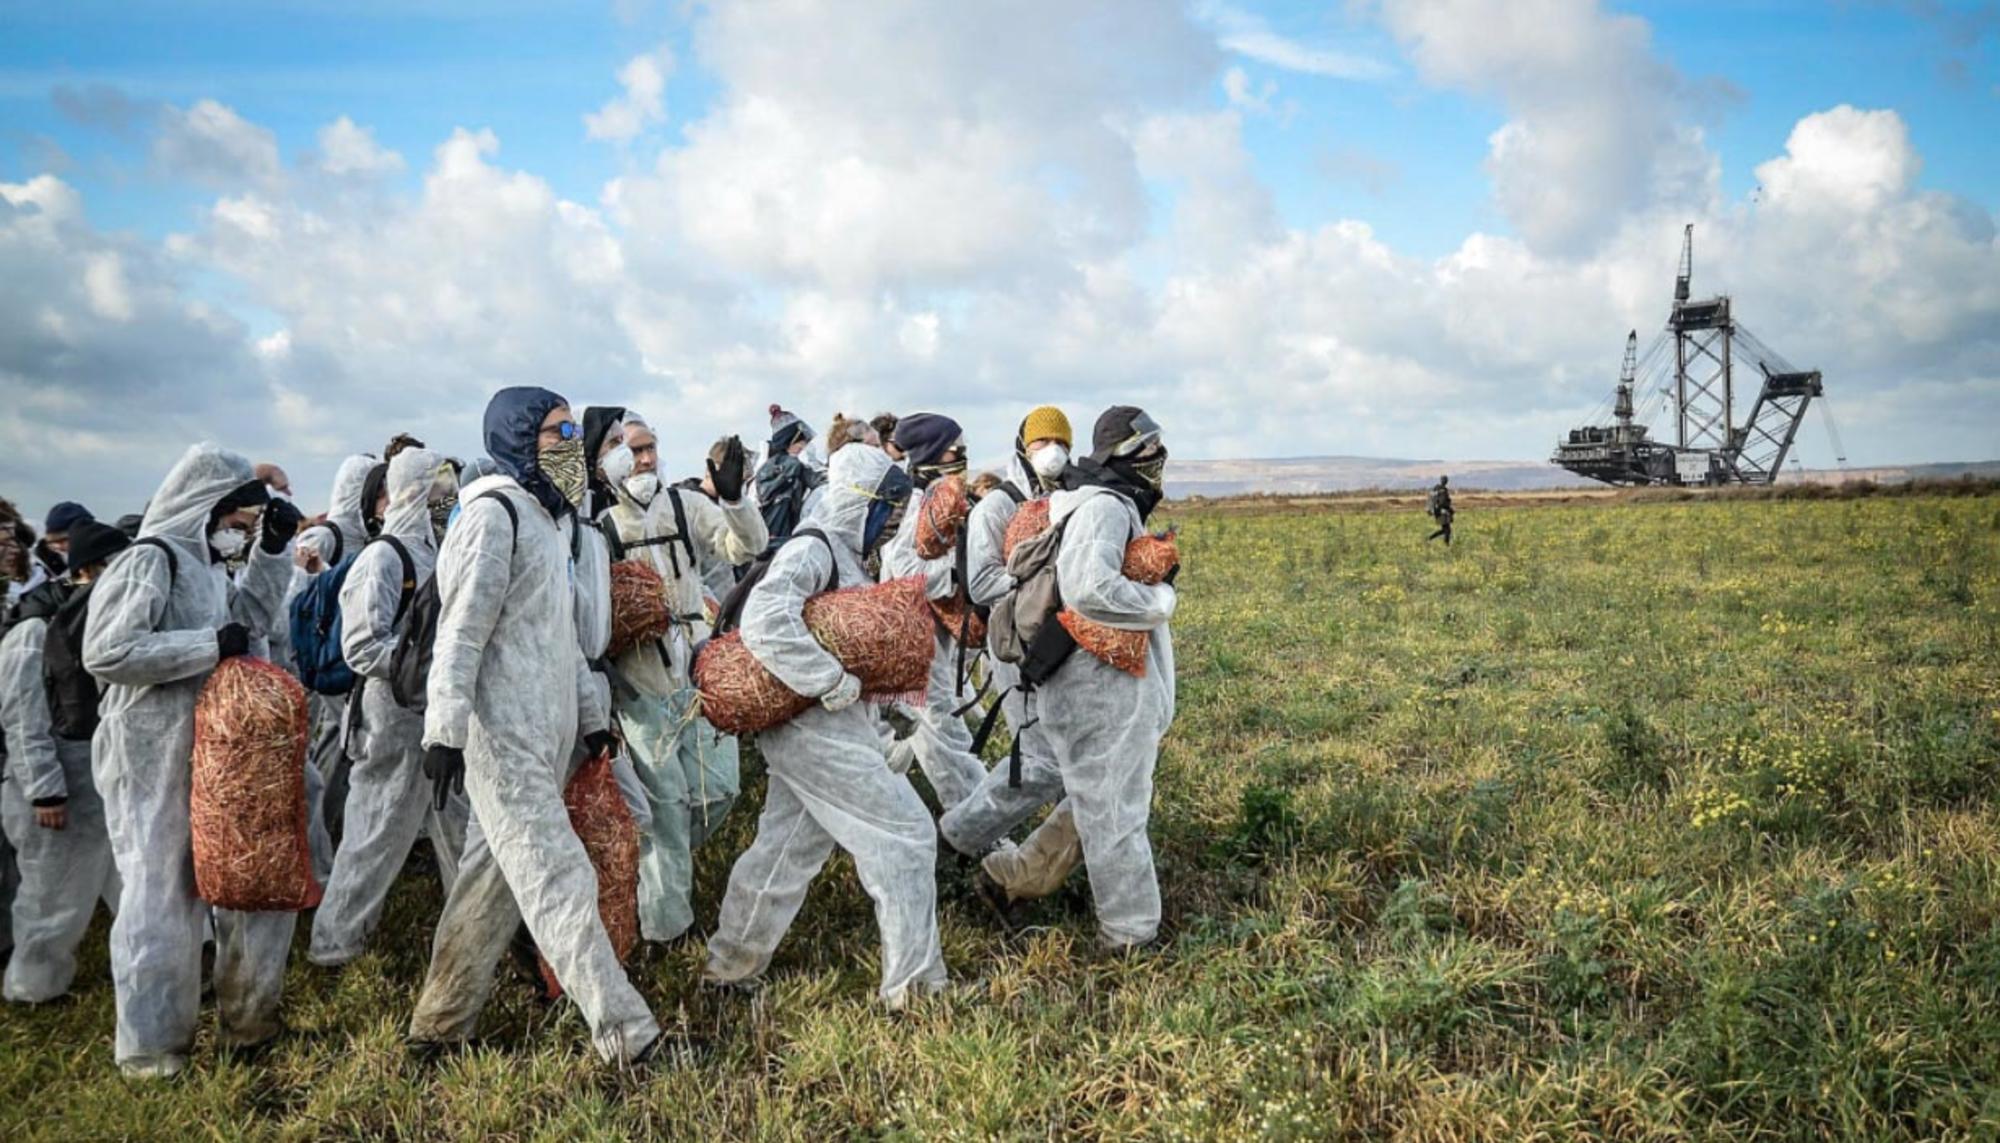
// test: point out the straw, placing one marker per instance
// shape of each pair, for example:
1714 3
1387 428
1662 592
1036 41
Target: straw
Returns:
247 806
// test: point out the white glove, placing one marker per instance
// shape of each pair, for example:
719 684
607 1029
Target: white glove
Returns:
843 695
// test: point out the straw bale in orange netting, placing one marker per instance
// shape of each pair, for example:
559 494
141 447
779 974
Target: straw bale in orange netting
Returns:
942 516
880 632
603 822
639 612
1031 519
1148 559
248 802
955 615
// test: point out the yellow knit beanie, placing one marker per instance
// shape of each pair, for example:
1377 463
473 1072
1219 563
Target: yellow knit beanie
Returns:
1046 422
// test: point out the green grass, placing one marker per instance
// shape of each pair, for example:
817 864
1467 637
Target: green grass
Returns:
1634 821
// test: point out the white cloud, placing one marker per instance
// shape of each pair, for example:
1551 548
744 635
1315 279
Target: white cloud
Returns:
643 103
1597 129
1247 35
211 144
347 149
1854 160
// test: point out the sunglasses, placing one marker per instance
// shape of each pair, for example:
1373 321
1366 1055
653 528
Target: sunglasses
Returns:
567 430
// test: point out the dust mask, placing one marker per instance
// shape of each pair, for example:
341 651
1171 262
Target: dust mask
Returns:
642 487
1049 461
229 542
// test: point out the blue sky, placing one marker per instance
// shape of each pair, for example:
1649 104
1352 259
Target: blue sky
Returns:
1265 208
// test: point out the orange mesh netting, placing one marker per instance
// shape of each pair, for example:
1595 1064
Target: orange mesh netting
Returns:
880 632
603 822
1148 559
953 614
248 804
945 509
1031 519
639 611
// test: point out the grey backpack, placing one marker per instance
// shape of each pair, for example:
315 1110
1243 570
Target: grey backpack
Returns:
1022 627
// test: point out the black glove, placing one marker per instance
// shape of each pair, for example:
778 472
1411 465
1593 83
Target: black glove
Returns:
600 742
445 767
231 640
281 522
728 476
1173 573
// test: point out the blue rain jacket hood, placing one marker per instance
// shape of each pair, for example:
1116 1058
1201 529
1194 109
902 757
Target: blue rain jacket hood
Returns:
513 428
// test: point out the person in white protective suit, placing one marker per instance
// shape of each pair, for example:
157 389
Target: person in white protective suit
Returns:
388 798
941 744
49 804
828 785
161 617
508 692
319 548
1105 725
688 769
977 826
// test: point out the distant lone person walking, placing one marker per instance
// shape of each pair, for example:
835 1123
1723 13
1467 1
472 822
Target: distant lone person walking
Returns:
1439 507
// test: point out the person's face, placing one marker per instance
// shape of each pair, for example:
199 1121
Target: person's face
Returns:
1040 443
645 449
894 452
58 543
244 518
798 446
552 427
82 576
613 437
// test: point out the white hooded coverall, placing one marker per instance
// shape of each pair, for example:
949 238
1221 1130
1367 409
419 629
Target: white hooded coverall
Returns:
509 686
151 639
828 785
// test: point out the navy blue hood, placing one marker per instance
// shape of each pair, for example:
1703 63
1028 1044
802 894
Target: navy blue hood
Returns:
513 430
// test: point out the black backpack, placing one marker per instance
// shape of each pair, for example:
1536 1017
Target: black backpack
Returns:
730 615
410 663
782 488
73 694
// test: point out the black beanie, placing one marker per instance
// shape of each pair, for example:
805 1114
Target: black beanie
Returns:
93 543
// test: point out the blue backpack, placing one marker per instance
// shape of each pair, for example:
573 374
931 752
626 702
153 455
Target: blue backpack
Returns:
316 626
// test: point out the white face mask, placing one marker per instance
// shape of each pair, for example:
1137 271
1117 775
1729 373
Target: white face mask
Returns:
642 487
618 464
229 542
1049 461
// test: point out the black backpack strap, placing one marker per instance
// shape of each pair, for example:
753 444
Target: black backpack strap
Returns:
409 576
822 537
173 558
613 542
1013 493
507 502
681 528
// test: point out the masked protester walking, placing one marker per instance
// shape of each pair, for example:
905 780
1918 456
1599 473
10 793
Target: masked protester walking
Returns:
828 786
161 617
787 487
688 769
320 548
978 825
935 448
1438 505
1105 725
49 803
387 798
508 692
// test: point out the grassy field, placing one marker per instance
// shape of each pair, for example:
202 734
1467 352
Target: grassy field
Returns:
1630 821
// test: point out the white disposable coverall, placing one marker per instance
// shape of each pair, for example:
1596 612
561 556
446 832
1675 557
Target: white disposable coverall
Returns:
342 534
388 797
153 646
689 771
994 807
64 872
509 686
942 742
1103 724
828 785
